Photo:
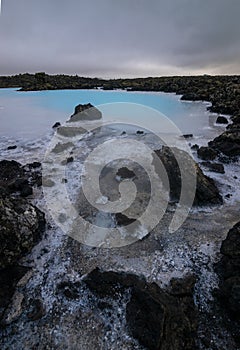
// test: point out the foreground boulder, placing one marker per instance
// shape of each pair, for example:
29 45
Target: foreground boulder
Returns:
21 225
157 318
229 271
206 191
15 178
85 112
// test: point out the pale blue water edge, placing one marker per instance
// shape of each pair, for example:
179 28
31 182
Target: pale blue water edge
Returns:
29 115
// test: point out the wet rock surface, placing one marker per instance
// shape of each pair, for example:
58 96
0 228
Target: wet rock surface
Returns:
85 112
214 167
156 318
228 268
221 120
206 191
21 226
207 153
125 173
228 143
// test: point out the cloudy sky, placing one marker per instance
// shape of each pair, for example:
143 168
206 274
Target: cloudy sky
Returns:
120 38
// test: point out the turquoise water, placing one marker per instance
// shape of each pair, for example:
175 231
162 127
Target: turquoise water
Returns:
32 114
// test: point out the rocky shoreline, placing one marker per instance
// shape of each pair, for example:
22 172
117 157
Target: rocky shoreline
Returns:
156 318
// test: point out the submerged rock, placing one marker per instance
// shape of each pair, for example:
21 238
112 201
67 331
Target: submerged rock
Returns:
70 131
157 318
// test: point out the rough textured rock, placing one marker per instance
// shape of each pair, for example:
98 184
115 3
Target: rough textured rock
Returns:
206 191
70 131
9 278
214 167
221 120
207 153
15 178
125 173
85 112
21 225
12 147
228 268
228 143
158 319
195 147
56 125
123 220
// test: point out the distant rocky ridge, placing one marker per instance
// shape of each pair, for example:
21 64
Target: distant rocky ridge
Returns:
222 91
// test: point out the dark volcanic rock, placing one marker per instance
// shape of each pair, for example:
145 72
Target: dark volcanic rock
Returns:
228 143
215 167
155 317
9 278
56 125
187 136
21 225
221 120
26 191
206 191
123 220
37 310
228 268
195 147
190 97
10 170
85 112
207 153
69 289
34 165
12 147
125 173
139 132
14 178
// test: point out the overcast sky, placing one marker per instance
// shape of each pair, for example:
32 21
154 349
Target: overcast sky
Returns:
119 38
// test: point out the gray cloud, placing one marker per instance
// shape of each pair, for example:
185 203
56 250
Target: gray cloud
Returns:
111 38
